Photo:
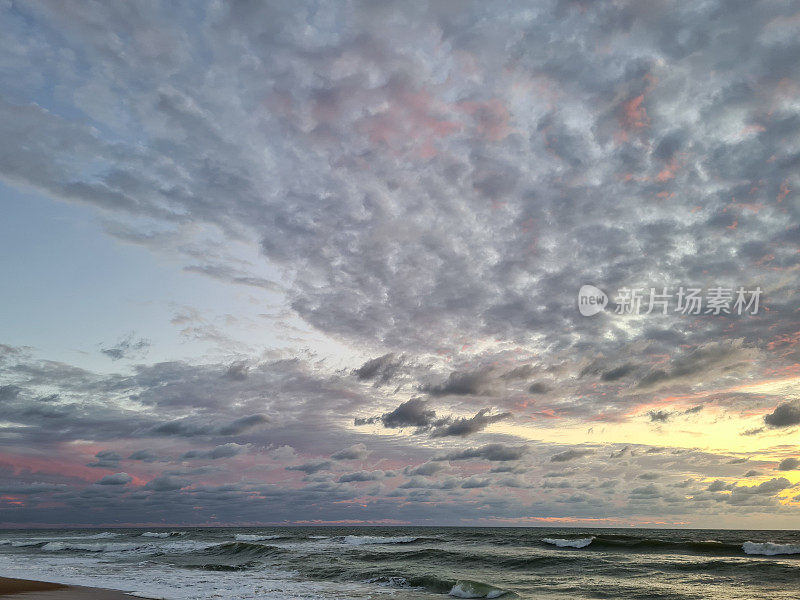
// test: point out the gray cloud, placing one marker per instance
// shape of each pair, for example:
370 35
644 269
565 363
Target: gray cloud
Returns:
312 467
106 459
571 454
126 348
354 452
166 483
222 451
460 384
491 452
362 476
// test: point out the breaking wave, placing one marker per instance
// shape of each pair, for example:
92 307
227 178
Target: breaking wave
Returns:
770 548
360 540
245 549
475 589
567 543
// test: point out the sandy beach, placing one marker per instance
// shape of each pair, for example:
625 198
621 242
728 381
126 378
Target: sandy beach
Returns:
41 590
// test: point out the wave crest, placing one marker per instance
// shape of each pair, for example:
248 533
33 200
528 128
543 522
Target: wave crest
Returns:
246 537
569 543
770 548
360 540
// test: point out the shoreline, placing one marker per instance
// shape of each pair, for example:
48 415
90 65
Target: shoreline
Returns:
29 589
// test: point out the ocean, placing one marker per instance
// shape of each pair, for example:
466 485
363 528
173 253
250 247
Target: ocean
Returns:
412 562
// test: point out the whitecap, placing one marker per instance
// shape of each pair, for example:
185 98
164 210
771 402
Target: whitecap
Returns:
246 537
565 543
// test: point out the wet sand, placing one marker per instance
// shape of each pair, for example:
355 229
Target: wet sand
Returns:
24 589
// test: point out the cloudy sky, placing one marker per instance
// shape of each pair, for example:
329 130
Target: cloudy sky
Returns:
319 262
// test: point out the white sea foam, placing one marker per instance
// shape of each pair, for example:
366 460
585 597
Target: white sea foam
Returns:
358 540
565 543
246 537
475 589
769 548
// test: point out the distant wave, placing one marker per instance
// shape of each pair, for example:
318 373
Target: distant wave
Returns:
644 544
569 543
100 536
246 537
163 534
26 543
109 547
360 540
770 548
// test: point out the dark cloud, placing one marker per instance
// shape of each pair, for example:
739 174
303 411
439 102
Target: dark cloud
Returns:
116 479
461 383
416 413
618 372
784 415
467 426
659 416
788 464
538 388
413 413
381 369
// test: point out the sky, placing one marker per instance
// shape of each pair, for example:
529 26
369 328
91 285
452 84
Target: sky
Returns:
320 262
